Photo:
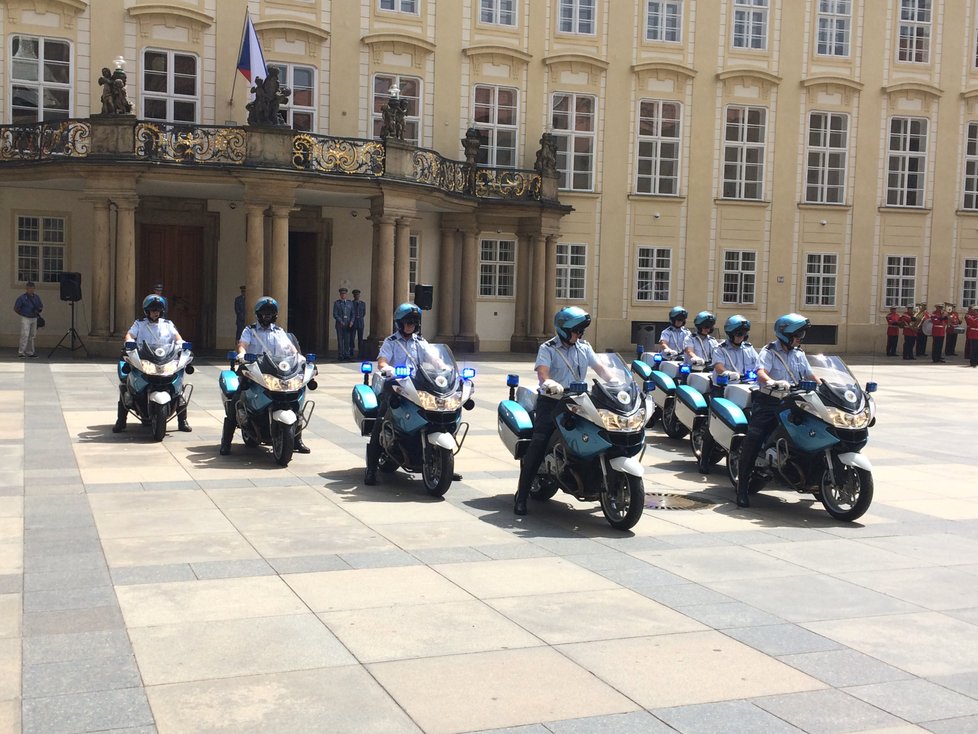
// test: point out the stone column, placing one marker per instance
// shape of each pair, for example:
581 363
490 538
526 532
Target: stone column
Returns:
373 336
402 263
125 264
445 296
468 295
537 289
255 257
549 280
382 311
521 319
279 271
101 269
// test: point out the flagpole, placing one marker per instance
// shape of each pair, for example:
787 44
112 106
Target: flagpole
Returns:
244 30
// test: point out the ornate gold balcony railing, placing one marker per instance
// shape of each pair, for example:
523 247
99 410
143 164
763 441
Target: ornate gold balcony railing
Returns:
433 169
45 140
326 154
189 143
458 177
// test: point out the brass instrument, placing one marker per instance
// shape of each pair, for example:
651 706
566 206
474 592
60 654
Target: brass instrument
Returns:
918 316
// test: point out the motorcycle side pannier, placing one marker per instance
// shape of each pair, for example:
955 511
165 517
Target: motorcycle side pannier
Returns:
364 408
515 427
229 382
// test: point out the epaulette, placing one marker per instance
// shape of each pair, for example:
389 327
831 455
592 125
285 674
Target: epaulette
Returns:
746 344
391 338
551 342
582 341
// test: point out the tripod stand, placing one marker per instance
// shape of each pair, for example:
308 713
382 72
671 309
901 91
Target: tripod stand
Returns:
71 335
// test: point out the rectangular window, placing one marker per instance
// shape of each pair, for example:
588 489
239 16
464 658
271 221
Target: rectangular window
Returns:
750 24
664 21
497 12
828 142
969 290
497 268
971 168
658 147
739 276
300 112
169 86
40 248
834 23
821 271
400 6
412 262
410 89
901 275
653 272
40 79
745 133
571 269
915 22
572 118
496 118
907 162
577 16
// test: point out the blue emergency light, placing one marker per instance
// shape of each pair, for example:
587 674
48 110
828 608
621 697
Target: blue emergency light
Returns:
722 380
685 369
311 357
188 346
649 386
366 368
402 370
751 376
657 358
808 385
512 380
871 387
468 373
577 387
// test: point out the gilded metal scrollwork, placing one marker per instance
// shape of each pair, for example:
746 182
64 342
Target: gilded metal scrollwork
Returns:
64 139
433 169
325 154
507 184
190 144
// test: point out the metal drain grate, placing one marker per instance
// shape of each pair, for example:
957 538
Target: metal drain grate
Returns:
665 501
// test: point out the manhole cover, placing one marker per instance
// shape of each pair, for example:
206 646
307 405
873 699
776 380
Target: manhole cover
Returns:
664 501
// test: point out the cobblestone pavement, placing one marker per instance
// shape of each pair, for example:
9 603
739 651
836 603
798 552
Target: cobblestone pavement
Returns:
159 587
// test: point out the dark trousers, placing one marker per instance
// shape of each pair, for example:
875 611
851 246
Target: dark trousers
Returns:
344 335
973 354
951 343
937 353
921 345
891 345
969 347
373 446
908 344
356 338
763 418
543 428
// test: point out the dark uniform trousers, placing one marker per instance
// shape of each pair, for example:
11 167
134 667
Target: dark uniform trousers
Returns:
763 418
921 344
908 344
543 428
373 446
891 345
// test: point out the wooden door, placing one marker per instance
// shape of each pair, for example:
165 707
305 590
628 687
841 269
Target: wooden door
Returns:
173 255
304 301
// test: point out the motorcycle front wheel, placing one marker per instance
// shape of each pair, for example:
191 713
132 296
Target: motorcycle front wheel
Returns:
849 497
623 500
757 482
670 421
283 443
157 419
437 469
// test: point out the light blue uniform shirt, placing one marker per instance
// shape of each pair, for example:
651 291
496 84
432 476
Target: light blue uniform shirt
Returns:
742 359
271 338
566 363
399 350
674 337
703 346
797 368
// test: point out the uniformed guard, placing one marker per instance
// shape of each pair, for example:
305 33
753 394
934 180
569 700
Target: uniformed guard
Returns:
699 347
673 337
938 330
971 335
951 341
909 333
343 318
892 331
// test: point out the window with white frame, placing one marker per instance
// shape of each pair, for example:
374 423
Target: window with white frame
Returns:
821 272
906 162
400 6
300 112
833 26
169 86
750 24
497 12
664 21
571 270
971 168
412 262
745 133
739 276
40 248
497 268
653 271
572 119
828 143
40 79
496 120
410 90
577 16
901 277
915 29
969 288
658 147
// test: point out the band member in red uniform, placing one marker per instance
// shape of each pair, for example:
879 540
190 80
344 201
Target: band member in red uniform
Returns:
938 329
909 333
971 335
892 331
921 336
951 340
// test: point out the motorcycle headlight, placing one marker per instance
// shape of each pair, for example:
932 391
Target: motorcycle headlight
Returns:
844 419
615 422
149 368
428 401
276 384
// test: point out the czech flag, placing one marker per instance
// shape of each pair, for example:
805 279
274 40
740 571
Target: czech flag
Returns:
251 61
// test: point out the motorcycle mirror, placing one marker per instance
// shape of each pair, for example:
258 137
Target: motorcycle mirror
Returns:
808 385
126 369
313 384
512 380
641 369
871 387
188 346
395 401
189 369
311 357
468 373
577 388
130 345
469 404
366 368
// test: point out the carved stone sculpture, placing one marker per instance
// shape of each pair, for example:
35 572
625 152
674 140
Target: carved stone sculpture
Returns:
115 101
546 162
265 109
471 144
393 118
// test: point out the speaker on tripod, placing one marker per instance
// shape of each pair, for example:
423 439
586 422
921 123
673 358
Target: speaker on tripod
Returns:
70 292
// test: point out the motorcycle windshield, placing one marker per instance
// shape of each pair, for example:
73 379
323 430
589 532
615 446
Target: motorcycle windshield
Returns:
613 385
438 369
158 350
280 354
838 383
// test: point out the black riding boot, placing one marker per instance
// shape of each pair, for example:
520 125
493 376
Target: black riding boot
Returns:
227 434
120 421
300 447
373 458
182 423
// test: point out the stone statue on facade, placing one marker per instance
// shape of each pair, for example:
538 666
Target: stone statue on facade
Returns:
546 162
393 116
471 144
115 101
265 109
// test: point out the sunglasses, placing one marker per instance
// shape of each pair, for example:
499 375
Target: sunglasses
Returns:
740 332
578 330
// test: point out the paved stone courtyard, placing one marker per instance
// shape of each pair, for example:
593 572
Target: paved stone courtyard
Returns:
159 587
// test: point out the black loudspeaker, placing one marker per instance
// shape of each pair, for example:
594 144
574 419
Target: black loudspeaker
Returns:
423 295
70 286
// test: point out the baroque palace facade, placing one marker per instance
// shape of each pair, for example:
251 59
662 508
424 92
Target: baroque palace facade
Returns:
741 156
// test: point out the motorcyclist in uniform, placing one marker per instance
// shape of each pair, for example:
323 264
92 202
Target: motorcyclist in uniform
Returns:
263 333
155 329
699 347
672 340
781 365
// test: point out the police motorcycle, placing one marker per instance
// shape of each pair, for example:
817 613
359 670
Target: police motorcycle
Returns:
266 397
595 453
422 429
667 373
693 398
726 423
816 444
151 374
